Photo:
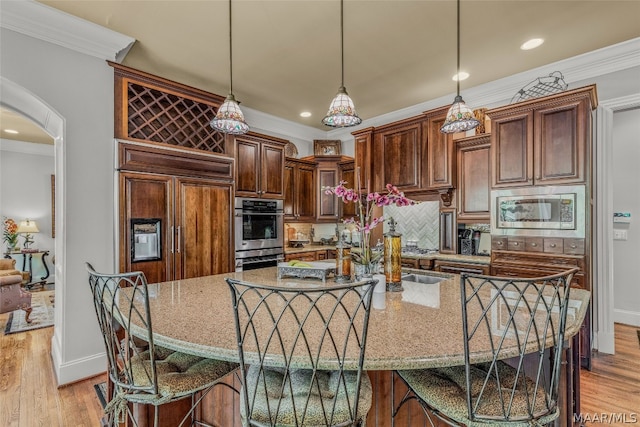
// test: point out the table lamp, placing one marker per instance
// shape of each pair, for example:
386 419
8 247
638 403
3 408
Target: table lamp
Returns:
26 228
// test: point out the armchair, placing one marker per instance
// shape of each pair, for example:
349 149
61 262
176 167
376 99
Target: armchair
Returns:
12 296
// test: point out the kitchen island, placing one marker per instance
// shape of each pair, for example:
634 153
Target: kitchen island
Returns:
420 327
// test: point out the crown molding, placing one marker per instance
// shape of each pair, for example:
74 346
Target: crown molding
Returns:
48 24
587 66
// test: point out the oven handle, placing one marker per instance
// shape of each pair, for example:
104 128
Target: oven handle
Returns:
259 213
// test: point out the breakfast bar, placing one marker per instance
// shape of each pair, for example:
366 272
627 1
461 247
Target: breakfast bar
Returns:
419 327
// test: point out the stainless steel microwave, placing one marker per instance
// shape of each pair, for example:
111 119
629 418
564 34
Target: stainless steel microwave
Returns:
557 211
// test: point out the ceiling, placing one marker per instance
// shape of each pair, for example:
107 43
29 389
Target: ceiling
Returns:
286 54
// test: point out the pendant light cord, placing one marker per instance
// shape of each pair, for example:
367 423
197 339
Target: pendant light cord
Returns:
458 50
342 41
230 54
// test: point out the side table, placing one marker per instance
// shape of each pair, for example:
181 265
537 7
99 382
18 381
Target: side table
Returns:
27 266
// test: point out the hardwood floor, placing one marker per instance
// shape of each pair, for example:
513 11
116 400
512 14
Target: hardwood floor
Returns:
29 396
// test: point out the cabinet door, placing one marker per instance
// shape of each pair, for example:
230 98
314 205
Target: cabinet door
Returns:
305 193
347 174
474 175
289 191
272 165
401 154
440 146
247 167
363 156
512 142
204 238
327 209
560 135
147 196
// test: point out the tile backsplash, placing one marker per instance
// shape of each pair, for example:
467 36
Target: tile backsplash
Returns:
418 222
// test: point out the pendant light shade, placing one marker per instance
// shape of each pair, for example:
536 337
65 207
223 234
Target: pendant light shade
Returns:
229 118
342 111
459 118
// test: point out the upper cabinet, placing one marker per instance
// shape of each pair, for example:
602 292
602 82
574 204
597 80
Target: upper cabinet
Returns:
399 156
347 174
259 166
543 141
474 177
440 148
300 190
327 175
363 141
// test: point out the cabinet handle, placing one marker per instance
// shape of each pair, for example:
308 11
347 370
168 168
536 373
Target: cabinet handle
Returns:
515 243
172 239
553 245
179 239
499 243
534 244
573 246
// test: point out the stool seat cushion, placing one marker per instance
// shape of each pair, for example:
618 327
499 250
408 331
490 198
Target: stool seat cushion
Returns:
179 373
444 389
321 394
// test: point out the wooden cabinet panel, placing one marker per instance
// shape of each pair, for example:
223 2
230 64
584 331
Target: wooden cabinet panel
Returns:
460 267
327 175
440 147
259 166
543 141
347 174
410 262
511 139
300 191
204 221
474 178
400 155
363 141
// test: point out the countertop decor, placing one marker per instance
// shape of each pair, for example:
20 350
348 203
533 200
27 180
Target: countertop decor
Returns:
365 220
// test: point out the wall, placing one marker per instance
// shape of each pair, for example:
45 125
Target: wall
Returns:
79 88
626 198
420 222
25 191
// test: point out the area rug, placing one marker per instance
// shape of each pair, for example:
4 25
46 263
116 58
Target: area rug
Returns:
41 316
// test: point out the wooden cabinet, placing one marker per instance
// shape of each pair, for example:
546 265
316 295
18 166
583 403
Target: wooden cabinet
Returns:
474 178
309 255
456 267
299 190
543 141
327 175
259 166
363 147
193 214
347 174
400 156
441 164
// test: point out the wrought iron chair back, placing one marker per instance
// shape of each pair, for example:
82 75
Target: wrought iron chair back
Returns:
301 353
530 313
118 313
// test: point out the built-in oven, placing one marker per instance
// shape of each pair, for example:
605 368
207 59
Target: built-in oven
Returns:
259 233
557 211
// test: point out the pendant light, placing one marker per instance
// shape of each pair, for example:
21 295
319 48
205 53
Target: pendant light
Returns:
459 117
342 112
229 118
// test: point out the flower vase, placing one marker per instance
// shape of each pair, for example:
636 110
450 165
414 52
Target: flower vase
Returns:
365 270
11 247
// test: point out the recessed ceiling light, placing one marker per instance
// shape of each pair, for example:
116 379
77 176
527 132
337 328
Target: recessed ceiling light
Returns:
11 131
460 76
531 44
305 114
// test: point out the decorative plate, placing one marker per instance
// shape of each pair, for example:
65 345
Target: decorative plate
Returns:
290 150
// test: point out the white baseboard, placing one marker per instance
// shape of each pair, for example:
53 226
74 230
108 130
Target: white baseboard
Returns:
626 317
76 370
606 342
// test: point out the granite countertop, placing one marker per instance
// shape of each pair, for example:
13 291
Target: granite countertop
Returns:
471 259
420 327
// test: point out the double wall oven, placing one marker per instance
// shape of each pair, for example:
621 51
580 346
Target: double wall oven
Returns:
259 233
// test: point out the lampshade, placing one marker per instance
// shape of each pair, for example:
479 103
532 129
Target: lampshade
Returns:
229 118
27 226
342 112
460 118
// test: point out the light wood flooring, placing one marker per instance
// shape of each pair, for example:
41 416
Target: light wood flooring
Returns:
29 396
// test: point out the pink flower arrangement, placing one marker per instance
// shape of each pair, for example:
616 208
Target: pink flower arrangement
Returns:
365 221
